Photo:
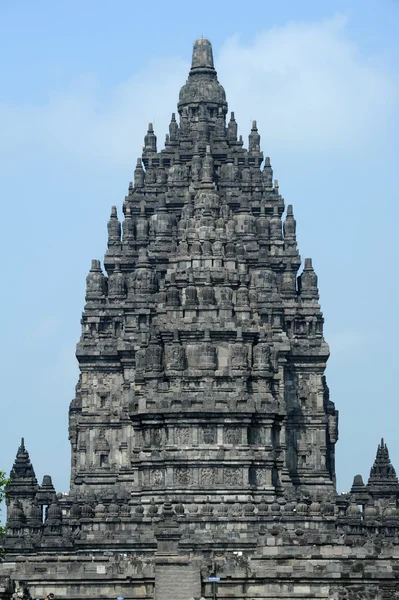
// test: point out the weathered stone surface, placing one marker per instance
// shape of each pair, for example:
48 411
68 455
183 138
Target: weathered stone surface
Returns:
202 431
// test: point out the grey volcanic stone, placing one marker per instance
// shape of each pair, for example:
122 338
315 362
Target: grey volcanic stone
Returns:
202 431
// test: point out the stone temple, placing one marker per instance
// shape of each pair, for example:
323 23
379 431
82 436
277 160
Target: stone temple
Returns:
202 431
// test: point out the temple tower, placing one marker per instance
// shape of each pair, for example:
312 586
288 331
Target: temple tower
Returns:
202 354
202 431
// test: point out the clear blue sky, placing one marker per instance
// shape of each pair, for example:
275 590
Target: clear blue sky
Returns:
79 83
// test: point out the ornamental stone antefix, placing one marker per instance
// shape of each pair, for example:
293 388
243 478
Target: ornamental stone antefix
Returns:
174 354
239 353
95 283
262 354
116 283
202 430
172 293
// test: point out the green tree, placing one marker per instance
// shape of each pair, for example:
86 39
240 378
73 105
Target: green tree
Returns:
3 485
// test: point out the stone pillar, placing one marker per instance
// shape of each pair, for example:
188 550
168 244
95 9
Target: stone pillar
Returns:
177 577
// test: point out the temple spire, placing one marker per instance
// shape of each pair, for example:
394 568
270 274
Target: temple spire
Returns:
114 228
202 95
22 468
383 480
202 55
150 140
254 139
23 482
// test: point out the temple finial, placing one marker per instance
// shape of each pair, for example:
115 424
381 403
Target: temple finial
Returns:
254 139
202 54
150 140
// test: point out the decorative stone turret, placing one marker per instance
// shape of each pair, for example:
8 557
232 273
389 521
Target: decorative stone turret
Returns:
383 482
138 175
254 139
16 516
114 229
307 282
150 141
46 493
359 490
23 484
95 283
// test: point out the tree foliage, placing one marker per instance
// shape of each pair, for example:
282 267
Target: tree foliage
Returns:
3 486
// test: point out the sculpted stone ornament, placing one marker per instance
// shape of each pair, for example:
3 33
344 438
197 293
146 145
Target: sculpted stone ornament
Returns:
232 477
220 125
162 223
141 359
177 172
150 174
162 296
157 477
161 176
156 437
262 225
191 293
128 228
217 248
196 166
230 229
209 434
173 129
226 296
207 475
116 283
261 354
95 282
242 295
288 280
139 175
208 293
289 227
153 355
207 353
114 228
308 281
175 355
260 476
207 248
225 210
267 174
275 226
232 435
183 476
144 281
183 435
239 353
183 248
172 293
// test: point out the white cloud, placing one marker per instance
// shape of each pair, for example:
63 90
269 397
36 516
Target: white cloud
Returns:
93 125
61 373
46 328
343 344
307 84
